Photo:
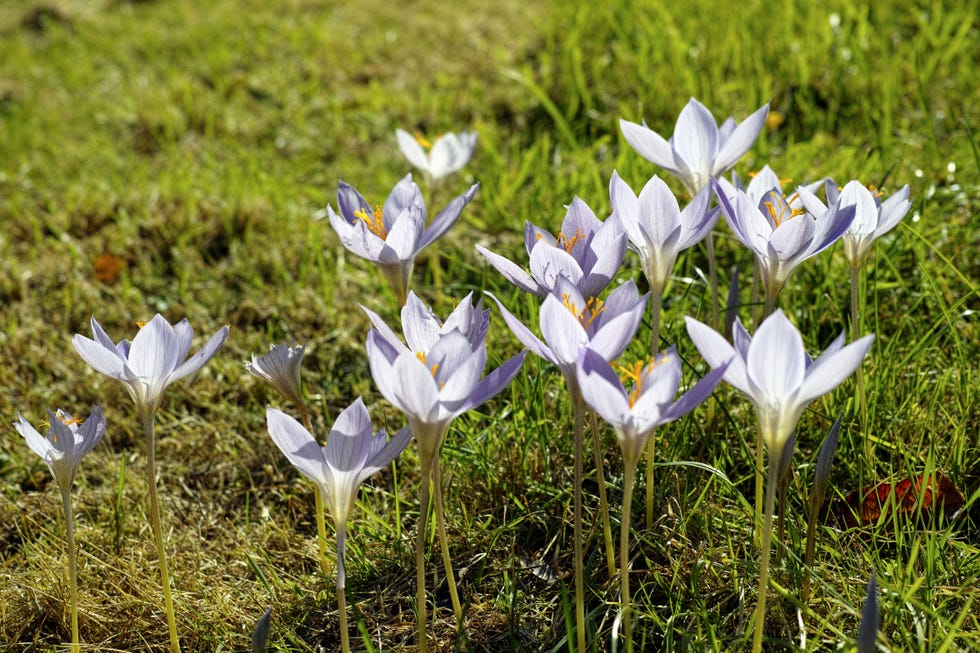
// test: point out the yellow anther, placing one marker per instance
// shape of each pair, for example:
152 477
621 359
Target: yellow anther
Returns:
874 191
374 222
421 356
783 212
636 372
141 323
567 243
422 140
593 307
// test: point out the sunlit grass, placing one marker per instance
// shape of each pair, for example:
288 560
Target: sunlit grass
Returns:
195 141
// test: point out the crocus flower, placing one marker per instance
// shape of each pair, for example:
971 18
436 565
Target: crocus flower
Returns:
392 235
587 252
280 367
699 149
646 401
422 328
62 447
774 371
570 322
438 376
446 155
873 217
434 379
781 234
352 454
155 358
65 441
656 226
634 414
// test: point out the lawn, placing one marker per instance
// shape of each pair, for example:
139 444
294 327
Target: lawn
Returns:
177 157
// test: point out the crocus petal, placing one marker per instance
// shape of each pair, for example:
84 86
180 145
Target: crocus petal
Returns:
739 141
447 218
405 194
348 443
102 360
419 324
716 350
391 450
198 360
356 237
297 445
775 364
415 388
403 238
494 382
601 388
385 332
827 375
563 331
525 335
648 144
412 150
695 140
548 264
696 395
512 272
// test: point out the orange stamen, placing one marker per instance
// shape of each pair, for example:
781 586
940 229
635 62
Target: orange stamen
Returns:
374 222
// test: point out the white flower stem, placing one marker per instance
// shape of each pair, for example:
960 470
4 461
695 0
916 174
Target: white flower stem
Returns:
420 607
603 499
321 526
341 583
444 543
629 475
656 305
760 609
869 451
72 565
709 243
579 410
168 601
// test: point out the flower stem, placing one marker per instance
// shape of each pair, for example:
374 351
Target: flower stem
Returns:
72 565
579 418
603 500
760 610
321 527
656 301
859 372
444 543
158 530
811 546
709 243
759 481
341 585
422 613
629 474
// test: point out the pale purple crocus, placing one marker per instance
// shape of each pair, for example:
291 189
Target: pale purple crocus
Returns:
634 411
156 357
774 371
280 367
587 252
353 454
62 446
780 233
570 322
394 233
422 328
443 156
873 216
64 442
698 149
434 379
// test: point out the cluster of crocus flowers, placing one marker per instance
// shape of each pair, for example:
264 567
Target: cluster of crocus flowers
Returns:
774 371
62 446
433 379
586 251
155 358
394 233
442 157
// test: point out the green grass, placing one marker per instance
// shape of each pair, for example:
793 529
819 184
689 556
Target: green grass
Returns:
193 142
